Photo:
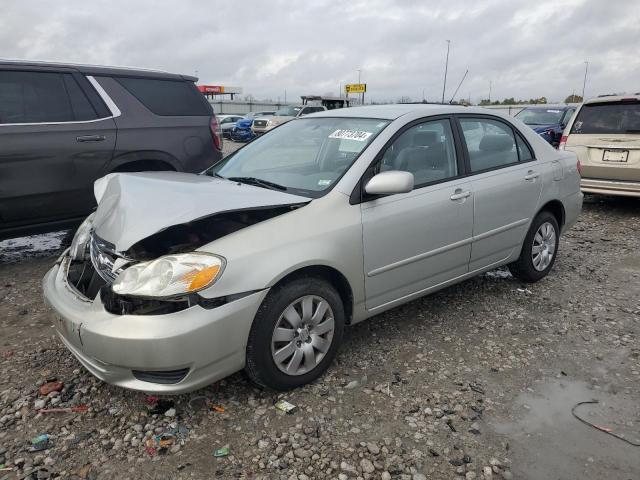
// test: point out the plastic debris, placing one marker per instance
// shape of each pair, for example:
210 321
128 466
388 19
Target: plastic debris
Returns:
39 443
77 409
150 450
285 406
49 387
216 408
221 452
151 400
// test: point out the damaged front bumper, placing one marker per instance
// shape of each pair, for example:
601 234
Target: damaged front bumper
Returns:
164 354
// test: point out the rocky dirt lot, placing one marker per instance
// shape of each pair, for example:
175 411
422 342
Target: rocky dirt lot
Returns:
476 381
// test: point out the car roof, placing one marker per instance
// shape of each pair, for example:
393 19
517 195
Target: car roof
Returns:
614 98
98 69
391 112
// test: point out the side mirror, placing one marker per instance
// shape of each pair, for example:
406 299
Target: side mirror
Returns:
388 183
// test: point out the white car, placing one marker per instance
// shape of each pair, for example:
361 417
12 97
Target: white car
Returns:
179 280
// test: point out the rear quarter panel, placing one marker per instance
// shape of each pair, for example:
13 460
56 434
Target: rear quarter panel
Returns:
183 141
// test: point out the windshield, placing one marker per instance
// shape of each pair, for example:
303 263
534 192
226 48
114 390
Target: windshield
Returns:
288 111
608 117
303 157
540 116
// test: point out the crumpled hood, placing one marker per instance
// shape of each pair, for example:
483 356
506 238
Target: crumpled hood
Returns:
133 206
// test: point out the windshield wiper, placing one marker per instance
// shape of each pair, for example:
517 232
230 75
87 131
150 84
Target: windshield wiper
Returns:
257 181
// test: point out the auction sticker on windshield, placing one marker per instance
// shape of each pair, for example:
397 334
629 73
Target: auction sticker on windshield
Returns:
351 135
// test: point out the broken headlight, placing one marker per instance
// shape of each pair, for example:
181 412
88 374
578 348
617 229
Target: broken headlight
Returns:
169 276
80 239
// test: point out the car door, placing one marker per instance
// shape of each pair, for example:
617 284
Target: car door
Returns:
506 181
54 141
417 240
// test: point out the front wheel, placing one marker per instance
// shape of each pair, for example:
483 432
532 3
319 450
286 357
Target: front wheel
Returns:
539 249
295 335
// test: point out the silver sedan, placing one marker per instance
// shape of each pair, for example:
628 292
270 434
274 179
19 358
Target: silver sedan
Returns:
179 280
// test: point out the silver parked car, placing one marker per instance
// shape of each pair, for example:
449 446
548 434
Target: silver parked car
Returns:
178 280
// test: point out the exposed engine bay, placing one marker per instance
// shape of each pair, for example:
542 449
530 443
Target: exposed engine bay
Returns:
101 263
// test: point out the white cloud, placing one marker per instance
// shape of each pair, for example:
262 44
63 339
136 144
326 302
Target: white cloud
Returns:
527 49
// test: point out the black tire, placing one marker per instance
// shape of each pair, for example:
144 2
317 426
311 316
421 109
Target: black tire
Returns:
260 365
524 268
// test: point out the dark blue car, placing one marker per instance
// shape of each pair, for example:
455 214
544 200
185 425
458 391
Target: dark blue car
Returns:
547 121
242 131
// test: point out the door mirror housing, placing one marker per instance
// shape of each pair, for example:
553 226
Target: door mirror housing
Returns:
389 183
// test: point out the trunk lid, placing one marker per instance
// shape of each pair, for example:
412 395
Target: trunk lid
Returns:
607 156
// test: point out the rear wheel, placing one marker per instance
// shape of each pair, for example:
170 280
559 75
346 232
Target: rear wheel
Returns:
539 249
295 335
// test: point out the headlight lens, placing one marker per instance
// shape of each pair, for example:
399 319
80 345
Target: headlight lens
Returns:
171 275
80 239
270 122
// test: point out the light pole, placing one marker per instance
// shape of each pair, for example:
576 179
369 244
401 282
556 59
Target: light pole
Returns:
584 83
423 95
489 92
362 94
446 67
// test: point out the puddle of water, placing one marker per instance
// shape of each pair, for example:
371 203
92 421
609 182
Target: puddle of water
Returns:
547 442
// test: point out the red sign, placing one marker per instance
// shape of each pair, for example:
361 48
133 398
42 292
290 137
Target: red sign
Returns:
211 88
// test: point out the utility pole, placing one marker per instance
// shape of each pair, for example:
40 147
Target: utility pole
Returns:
489 91
446 67
285 96
362 94
586 67
423 95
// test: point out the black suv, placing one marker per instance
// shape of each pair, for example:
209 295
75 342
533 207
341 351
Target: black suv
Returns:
62 126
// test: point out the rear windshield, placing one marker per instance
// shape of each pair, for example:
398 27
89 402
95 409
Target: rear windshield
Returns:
623 117
167 97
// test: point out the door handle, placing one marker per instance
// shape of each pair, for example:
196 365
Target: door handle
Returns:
459 194
531 175
91 138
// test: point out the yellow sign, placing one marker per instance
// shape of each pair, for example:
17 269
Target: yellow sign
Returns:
355 88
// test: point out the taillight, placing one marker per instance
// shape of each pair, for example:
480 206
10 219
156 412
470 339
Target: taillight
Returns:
579 167
216 132
563 142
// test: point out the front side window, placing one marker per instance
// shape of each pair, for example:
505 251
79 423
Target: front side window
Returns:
426 150
305 156
490 143
34 97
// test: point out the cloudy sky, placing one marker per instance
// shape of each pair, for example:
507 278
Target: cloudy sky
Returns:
525 48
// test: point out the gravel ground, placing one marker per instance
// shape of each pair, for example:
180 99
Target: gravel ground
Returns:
476 381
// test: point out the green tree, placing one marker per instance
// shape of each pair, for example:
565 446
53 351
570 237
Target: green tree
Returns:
573 99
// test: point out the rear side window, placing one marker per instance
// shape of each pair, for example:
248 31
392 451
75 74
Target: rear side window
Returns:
167 97
82 109
608 118
490 143
33 97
